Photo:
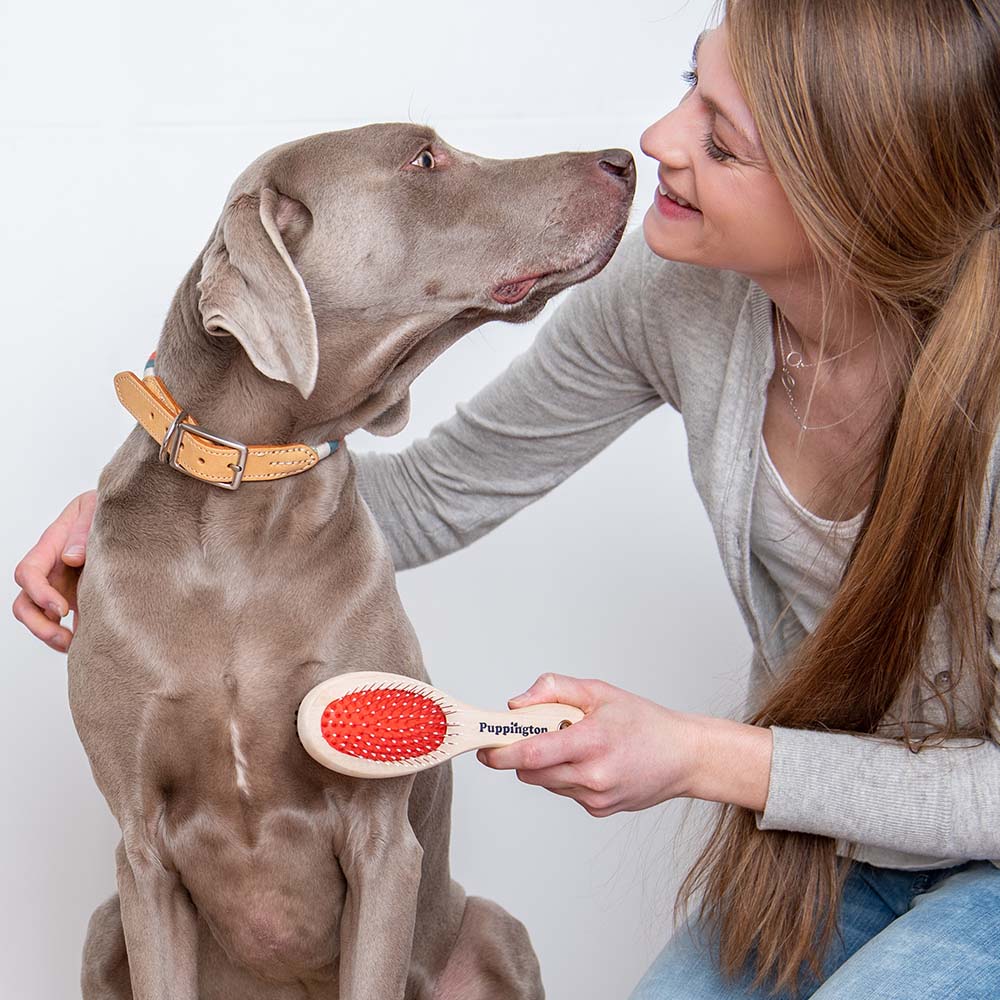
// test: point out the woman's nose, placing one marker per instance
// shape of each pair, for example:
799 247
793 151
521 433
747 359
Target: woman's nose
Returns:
664 140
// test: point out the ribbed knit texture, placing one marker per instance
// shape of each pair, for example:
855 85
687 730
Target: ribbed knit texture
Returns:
647 331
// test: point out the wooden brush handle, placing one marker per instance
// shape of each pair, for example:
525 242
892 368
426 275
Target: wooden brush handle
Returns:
475 728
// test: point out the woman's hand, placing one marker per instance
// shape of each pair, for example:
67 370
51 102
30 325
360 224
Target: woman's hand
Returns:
629 753
48 574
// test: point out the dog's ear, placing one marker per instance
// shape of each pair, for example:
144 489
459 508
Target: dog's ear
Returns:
251 290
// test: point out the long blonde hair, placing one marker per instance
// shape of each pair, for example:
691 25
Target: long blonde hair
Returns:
881 121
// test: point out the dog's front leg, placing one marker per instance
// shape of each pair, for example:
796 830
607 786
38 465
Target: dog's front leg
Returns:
160 927
381 860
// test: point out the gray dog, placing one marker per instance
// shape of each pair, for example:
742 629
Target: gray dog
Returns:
342 265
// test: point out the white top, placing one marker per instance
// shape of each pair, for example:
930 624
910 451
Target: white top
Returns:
804 554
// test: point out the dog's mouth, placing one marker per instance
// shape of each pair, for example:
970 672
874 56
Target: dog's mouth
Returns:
550 282
426 348
509 293
416 356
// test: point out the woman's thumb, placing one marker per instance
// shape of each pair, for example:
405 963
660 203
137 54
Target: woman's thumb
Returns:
74 551
554 688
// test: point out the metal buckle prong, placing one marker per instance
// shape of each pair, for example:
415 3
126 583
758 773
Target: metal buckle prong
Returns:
170 431
176 432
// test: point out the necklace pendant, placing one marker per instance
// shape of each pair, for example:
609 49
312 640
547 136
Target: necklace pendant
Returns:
787 380
794 359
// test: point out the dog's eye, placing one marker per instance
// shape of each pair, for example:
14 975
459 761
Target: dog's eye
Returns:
423 159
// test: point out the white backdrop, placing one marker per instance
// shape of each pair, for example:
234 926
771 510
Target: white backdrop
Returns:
122 126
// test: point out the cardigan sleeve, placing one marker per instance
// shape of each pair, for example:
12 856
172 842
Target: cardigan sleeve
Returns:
942 802
558 404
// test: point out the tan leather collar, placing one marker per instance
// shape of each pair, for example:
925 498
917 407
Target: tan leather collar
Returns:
201 454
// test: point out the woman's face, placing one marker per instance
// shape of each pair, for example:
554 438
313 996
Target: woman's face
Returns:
710 154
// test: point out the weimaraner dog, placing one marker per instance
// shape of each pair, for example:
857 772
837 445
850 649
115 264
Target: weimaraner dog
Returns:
342 265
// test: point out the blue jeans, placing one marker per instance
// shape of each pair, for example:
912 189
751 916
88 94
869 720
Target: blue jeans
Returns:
932 934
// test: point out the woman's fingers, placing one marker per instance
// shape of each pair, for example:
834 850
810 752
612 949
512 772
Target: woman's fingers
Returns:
565 690
31 616
573 782
536 752
627 753
32 573
558 778
48 573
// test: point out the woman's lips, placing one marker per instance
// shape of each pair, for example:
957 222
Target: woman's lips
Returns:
671 209
513 291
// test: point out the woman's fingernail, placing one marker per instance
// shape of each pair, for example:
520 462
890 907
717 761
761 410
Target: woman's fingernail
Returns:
73 551
58 642
56 609
517 697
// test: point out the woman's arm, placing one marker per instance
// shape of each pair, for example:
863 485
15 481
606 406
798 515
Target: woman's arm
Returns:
942 802
556 406
629 753
571 393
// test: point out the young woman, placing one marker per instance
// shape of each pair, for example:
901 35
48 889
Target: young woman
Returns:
816 288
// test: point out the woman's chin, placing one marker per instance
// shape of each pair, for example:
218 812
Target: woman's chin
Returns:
664 241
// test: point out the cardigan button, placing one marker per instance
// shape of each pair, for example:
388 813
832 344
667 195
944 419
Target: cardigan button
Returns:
942 678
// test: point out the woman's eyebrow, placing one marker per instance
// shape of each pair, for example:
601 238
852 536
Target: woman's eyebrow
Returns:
714 107
697 45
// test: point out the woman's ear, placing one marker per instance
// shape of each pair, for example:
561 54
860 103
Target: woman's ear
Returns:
250 288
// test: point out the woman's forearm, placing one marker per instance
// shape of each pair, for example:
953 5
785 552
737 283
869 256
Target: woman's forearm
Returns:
734 762
556 405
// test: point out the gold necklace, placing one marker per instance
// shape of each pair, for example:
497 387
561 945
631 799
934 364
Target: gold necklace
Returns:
788 379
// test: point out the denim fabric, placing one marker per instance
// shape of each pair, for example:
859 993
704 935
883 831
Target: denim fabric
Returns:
928 934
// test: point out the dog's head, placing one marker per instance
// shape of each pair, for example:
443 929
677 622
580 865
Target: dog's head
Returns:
345 262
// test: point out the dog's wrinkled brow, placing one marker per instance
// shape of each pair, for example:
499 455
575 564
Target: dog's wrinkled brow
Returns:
405 143
421 134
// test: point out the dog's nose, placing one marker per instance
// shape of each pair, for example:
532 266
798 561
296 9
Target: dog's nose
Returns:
617 162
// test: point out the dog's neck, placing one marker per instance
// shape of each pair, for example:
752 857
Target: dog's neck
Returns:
213 379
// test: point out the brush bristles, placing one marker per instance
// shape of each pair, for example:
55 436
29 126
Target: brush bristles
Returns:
387 724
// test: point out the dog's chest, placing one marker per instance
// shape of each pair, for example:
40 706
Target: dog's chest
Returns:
193 657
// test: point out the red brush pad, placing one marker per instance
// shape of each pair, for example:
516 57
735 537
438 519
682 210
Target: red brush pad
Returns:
384 724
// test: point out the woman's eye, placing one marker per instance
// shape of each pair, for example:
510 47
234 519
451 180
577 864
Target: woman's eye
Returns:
715 151
690 77
424 159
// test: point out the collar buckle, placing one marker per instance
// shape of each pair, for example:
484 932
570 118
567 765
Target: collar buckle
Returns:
172 441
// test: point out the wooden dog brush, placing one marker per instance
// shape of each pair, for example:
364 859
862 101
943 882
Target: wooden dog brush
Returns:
370 724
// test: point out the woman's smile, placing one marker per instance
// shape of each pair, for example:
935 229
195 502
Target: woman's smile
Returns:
671 208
